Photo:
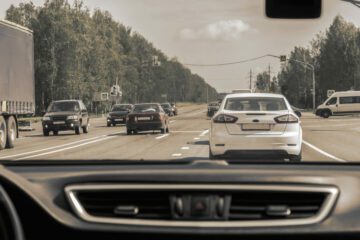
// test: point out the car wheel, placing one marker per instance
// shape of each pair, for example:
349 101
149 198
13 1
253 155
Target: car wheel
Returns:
128 132
45 133
108 124
167 129
11 132
114 124
77 130
325 114
56 133
295 158
3 134
86 128
211 155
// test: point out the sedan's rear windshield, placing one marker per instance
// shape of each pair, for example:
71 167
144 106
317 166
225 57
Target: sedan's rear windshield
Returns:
64 107
121 108
146 108
255 104
165 105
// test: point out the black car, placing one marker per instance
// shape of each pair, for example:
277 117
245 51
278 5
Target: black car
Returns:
65 115
118 114
213 107
168 109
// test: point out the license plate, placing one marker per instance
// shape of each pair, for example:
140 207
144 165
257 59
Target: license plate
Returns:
119 120
144 118
59 122
254 127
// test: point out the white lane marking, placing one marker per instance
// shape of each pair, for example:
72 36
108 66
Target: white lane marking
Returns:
162 136
177 155
186 131
204 133
50 148
196 138
68 148
185 148
323 152
58 146
172 121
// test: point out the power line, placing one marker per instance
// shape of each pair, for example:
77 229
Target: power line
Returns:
225 64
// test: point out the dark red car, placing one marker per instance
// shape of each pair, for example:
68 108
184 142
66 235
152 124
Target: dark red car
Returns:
147 117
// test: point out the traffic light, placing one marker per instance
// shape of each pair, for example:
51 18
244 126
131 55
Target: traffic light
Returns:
283 58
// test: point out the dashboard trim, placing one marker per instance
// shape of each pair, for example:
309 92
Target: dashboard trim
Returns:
329 203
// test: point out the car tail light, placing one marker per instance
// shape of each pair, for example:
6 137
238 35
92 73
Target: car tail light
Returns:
288 118
222 118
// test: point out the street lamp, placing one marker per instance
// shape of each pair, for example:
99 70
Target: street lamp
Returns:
310 66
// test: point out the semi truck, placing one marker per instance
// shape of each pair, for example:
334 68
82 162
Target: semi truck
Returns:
17 80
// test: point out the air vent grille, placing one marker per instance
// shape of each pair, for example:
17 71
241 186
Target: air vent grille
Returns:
250 205
149 205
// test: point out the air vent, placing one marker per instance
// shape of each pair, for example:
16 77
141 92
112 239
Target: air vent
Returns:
204 206
126 204
265 205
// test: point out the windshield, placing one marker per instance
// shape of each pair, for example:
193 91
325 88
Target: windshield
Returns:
119 108
255 104
64 107
203 80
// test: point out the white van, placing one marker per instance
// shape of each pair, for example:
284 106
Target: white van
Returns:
340 103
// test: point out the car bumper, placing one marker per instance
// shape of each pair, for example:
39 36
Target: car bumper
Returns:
117 120
145 126
223 143
67 125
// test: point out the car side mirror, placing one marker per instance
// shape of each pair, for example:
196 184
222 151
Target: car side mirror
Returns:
298 113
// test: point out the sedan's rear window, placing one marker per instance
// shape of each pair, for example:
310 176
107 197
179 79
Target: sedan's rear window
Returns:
255 104
146 108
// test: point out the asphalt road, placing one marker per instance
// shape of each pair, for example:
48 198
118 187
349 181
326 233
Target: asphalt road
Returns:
334 139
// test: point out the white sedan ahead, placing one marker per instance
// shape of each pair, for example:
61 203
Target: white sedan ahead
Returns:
256 125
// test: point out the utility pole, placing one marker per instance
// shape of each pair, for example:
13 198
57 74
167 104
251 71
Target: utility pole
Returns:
207 93
251 79
269 83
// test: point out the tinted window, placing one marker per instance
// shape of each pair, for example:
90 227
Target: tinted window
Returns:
146 108
64 107
332 101
348 100
255 104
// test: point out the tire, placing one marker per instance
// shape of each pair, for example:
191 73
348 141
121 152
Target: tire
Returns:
45 133
211 155
11 132
108 124
163 130
3 133
86 128
167 129
114 124
128 132
326 114
56 133
295 158
77 130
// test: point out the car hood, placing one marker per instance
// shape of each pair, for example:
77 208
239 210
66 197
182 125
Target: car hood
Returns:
118 113
51 114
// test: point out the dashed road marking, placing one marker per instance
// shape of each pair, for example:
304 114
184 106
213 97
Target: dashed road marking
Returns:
176 155
204 133
323 152
185 148
162 136
197 138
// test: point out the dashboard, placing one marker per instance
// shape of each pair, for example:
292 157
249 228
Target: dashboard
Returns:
201 200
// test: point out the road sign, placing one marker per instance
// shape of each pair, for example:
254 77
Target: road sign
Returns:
115 91
104 96
283 58
330 92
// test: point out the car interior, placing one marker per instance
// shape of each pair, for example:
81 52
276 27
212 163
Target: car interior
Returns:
121 191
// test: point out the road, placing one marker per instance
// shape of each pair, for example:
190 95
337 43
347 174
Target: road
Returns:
334 139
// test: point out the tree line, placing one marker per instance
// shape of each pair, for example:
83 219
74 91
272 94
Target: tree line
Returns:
79 53
335 55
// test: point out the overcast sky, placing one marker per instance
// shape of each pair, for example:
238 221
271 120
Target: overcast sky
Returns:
217 31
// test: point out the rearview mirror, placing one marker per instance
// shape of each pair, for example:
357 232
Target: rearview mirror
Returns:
298 113
294 9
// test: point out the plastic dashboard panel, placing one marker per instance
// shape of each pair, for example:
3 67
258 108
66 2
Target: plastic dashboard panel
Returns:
44 187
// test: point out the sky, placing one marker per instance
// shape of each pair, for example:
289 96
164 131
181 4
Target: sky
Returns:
217 31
